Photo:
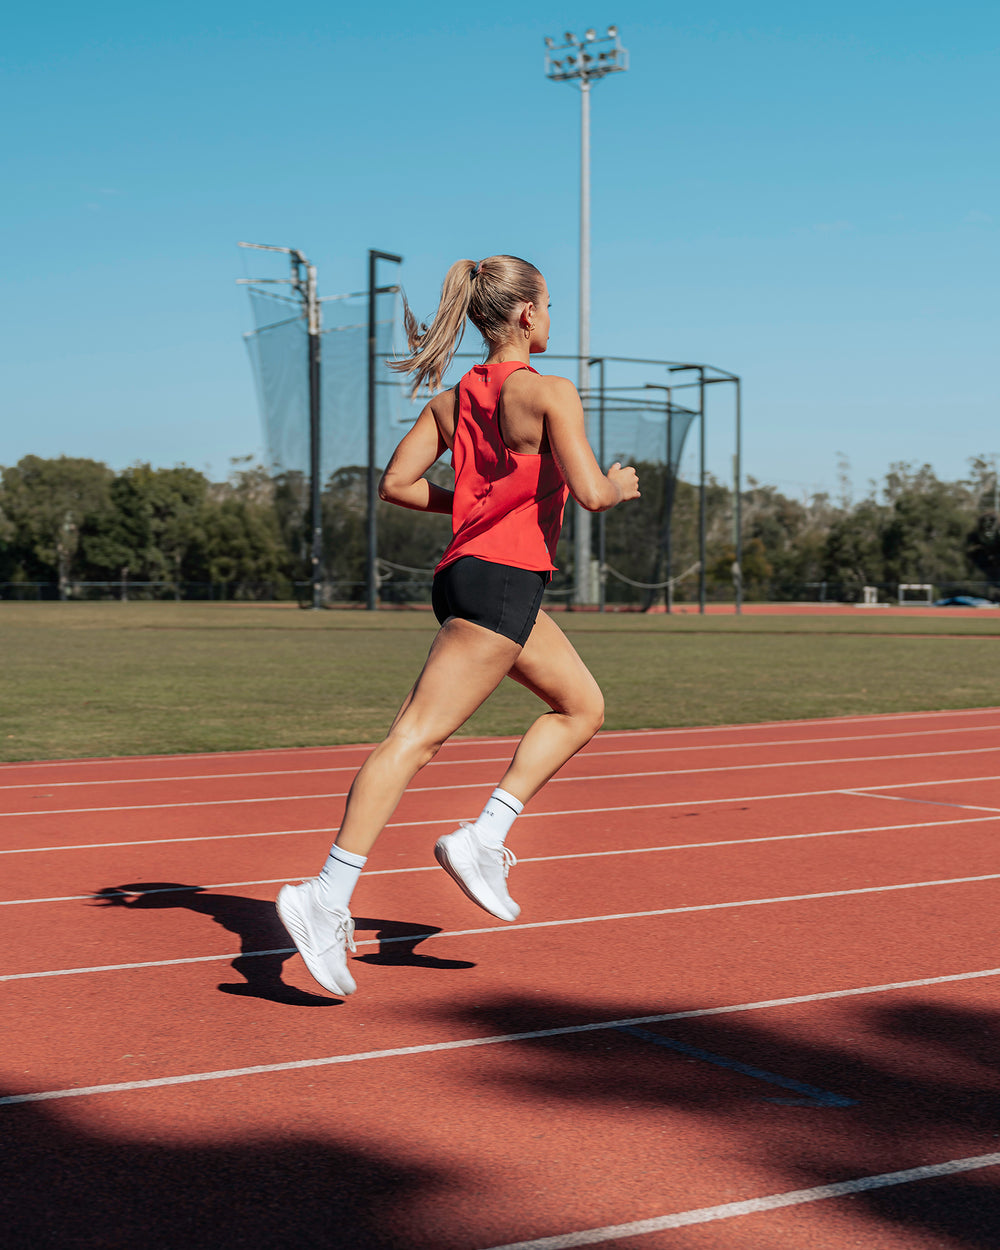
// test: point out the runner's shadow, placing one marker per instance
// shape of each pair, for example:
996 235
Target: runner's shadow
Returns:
264 942
397 939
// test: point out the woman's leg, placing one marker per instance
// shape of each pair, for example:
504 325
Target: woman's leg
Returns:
465 665
475 855
550 667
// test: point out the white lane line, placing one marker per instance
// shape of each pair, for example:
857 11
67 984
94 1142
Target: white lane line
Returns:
550 924
752 1206
477 785
542 859
465 1043
501 759
751 726
582 811
906 798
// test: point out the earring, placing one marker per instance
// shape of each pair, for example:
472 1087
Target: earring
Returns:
527 332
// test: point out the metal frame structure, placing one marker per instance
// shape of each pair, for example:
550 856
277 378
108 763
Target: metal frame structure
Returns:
303 281
708 375
307 290
584 61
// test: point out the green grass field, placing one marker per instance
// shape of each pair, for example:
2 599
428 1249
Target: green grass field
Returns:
104 679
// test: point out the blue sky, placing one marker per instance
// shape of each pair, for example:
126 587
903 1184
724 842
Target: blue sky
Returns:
805 195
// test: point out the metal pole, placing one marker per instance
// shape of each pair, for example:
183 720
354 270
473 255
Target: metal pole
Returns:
315 499
582 528
668 543
602 516
584 61
702 502
371 555
372 537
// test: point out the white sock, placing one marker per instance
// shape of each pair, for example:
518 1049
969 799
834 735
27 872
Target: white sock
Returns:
494 821
339 876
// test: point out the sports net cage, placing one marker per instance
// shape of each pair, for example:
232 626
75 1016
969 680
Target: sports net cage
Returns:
370 554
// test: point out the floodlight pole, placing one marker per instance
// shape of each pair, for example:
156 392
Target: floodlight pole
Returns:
584 61
371 568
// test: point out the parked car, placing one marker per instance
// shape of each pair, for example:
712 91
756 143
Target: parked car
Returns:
965 601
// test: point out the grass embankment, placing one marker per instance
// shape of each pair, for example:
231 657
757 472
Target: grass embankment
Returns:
136 678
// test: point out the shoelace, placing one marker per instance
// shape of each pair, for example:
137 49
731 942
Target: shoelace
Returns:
347 928
507 858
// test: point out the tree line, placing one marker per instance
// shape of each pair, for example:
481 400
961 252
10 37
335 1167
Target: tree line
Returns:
69 522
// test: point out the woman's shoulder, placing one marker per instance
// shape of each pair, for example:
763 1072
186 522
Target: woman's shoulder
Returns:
549 385
444 401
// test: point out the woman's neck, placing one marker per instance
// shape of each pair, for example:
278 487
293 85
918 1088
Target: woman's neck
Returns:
507 353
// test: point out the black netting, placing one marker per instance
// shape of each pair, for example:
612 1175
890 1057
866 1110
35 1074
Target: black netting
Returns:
279 354
633 433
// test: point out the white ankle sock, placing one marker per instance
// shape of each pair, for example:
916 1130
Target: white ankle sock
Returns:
339 876
494 821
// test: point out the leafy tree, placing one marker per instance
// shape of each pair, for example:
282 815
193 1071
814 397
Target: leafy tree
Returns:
46 505
926 527
156 523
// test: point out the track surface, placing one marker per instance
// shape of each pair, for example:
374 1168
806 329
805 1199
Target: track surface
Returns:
750 1001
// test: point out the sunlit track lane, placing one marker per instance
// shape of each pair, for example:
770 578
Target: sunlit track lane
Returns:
434 802
286 855
278 853
185 924
304 774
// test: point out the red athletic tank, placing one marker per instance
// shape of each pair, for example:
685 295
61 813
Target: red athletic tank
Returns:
508 505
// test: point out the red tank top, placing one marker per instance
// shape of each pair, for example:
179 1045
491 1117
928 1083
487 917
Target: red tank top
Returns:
508 505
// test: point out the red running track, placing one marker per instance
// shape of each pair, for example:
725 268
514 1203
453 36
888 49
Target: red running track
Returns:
749 1001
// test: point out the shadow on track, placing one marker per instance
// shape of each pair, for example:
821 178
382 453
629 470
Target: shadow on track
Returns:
905 1086
71 1186
264 943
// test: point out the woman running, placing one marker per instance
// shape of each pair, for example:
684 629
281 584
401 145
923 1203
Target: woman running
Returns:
517 441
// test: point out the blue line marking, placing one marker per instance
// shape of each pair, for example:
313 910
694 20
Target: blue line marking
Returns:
812 1097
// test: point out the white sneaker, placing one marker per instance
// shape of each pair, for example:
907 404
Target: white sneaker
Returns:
480 870
321 936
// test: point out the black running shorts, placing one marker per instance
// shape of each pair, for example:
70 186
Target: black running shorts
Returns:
496 596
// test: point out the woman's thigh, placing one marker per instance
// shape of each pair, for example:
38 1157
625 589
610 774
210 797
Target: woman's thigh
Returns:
465 665
550 667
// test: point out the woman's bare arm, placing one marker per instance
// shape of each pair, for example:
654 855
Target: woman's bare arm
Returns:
403 481
564 423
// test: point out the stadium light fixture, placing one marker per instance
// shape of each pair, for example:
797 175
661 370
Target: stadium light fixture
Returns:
570 64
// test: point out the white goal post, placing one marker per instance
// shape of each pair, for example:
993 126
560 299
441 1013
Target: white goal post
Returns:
916 592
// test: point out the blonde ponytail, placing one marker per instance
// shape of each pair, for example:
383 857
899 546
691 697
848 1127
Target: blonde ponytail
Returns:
488 292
